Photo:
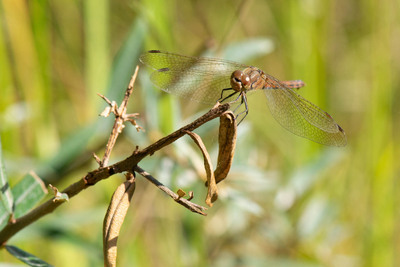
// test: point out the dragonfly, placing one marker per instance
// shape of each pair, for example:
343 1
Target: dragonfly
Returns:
205 80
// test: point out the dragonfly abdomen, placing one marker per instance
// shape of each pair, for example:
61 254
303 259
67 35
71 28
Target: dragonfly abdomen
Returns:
296 84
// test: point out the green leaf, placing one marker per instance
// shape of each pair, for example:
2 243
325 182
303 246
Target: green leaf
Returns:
26 257
71 147
126 60
6 197
4 216
27 193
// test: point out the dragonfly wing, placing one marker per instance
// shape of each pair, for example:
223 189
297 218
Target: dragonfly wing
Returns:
196 78
301 117
201 87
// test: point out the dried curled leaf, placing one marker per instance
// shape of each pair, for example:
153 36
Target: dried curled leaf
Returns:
114 218
212 193
227 144
181 193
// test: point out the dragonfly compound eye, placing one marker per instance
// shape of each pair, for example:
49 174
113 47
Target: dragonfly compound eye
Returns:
239 80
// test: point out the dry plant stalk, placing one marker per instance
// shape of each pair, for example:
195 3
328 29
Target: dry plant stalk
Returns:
114 218
178 198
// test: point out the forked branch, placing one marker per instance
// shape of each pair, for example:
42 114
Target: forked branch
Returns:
127 165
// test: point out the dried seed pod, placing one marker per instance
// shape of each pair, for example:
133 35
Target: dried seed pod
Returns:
227 144
114 218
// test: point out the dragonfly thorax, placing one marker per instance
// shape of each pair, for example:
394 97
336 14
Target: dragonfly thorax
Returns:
240 81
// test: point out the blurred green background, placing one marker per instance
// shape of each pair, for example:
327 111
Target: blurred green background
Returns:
287 200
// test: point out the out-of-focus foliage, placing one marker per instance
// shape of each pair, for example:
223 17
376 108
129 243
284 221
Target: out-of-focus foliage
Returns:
286 202
25 257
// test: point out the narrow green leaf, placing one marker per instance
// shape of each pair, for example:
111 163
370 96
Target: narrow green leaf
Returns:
97 46
4 216
123 68
126 60
71 147
6 197
26 257
27 193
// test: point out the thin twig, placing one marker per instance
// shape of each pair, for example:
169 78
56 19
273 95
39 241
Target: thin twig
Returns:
183 201
120 118
213 113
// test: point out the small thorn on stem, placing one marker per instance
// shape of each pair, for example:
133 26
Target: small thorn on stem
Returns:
97 159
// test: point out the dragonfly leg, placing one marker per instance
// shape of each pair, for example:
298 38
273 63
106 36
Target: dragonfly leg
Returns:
222 92
244 100
222 99
243 97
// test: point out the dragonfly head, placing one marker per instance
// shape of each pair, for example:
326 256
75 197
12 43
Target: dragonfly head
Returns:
239 81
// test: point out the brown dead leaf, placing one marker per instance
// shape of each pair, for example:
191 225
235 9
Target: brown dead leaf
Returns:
212 193
181 193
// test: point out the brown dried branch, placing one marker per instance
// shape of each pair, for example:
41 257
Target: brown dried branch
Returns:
114 218
93 177
184 202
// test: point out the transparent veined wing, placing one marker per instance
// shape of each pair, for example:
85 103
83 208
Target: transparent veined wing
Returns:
195 78
301 117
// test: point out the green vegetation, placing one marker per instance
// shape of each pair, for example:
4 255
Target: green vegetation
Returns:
287 200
